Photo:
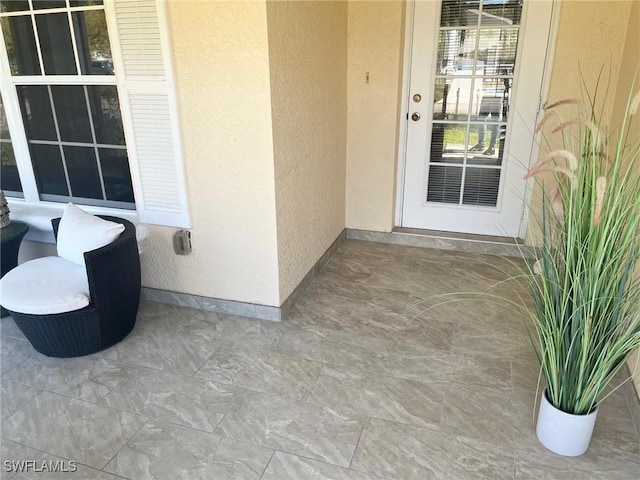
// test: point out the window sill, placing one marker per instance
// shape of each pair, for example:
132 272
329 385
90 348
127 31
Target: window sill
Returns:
38 216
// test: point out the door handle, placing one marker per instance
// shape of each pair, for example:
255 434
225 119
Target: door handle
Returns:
415 116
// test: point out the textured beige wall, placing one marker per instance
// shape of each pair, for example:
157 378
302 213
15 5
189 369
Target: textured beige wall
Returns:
591 36
221 61
629 68
308 60
375 42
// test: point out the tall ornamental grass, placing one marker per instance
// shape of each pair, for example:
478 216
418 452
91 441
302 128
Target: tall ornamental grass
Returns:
585 289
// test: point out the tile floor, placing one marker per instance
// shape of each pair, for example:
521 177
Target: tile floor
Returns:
355 384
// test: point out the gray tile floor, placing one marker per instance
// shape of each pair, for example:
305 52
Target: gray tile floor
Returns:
355 384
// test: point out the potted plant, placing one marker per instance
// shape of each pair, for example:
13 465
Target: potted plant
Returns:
586 316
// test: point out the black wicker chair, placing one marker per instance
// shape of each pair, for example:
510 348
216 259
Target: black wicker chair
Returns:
113 272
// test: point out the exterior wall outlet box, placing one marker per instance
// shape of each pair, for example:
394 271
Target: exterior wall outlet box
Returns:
182 242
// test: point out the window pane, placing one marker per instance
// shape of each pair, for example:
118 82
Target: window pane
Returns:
4 125
9 178
459 13
47 164
72 114
501 12
21 45
55 44
489 148
81 3
492 97
456 49
481 186
92 41
14 5
115 173
36 112
42 4
444 184
497 51
83 172
448 142
107 119
452 98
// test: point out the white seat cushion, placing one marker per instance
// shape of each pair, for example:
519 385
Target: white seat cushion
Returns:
45 286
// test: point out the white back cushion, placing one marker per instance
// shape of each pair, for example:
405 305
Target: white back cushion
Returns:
81 232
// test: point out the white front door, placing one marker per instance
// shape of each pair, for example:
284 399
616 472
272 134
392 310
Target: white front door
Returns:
474 93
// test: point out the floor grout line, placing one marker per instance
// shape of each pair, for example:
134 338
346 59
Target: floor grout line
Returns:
355 450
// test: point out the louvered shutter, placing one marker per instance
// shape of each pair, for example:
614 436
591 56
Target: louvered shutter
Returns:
142 61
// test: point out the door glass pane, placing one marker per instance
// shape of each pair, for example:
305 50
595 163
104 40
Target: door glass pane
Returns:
491 98
453 98
481 186
47 165
83 172
486 141
55 44
105 111
21 45
115 172
456 52
36 112
444 184
459 13
501 12
92 40
72 114
448 143
496 53
14 5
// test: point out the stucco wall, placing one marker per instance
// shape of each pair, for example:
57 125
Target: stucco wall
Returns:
221 61
375 46
308 60
591 36
629 68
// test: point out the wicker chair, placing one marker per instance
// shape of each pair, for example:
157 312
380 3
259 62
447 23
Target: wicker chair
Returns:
113 272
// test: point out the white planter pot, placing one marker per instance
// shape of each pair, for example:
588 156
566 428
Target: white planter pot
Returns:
563 433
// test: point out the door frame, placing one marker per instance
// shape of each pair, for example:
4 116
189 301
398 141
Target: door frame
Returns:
404 108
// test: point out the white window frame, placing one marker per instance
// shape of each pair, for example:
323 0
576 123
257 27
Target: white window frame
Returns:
160 190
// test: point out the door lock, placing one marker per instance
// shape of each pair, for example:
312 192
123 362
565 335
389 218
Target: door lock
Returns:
415 116
417 97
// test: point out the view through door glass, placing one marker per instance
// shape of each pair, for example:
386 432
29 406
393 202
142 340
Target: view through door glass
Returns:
476 56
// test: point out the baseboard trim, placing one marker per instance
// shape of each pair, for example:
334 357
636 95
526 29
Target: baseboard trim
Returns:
218 305
243 309
443 241
633 400
312 273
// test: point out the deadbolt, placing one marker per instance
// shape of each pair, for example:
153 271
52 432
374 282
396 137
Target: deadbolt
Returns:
415 116
417 97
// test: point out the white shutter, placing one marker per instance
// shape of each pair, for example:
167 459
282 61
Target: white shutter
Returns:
142 61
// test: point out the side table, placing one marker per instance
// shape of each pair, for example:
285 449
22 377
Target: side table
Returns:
11 236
